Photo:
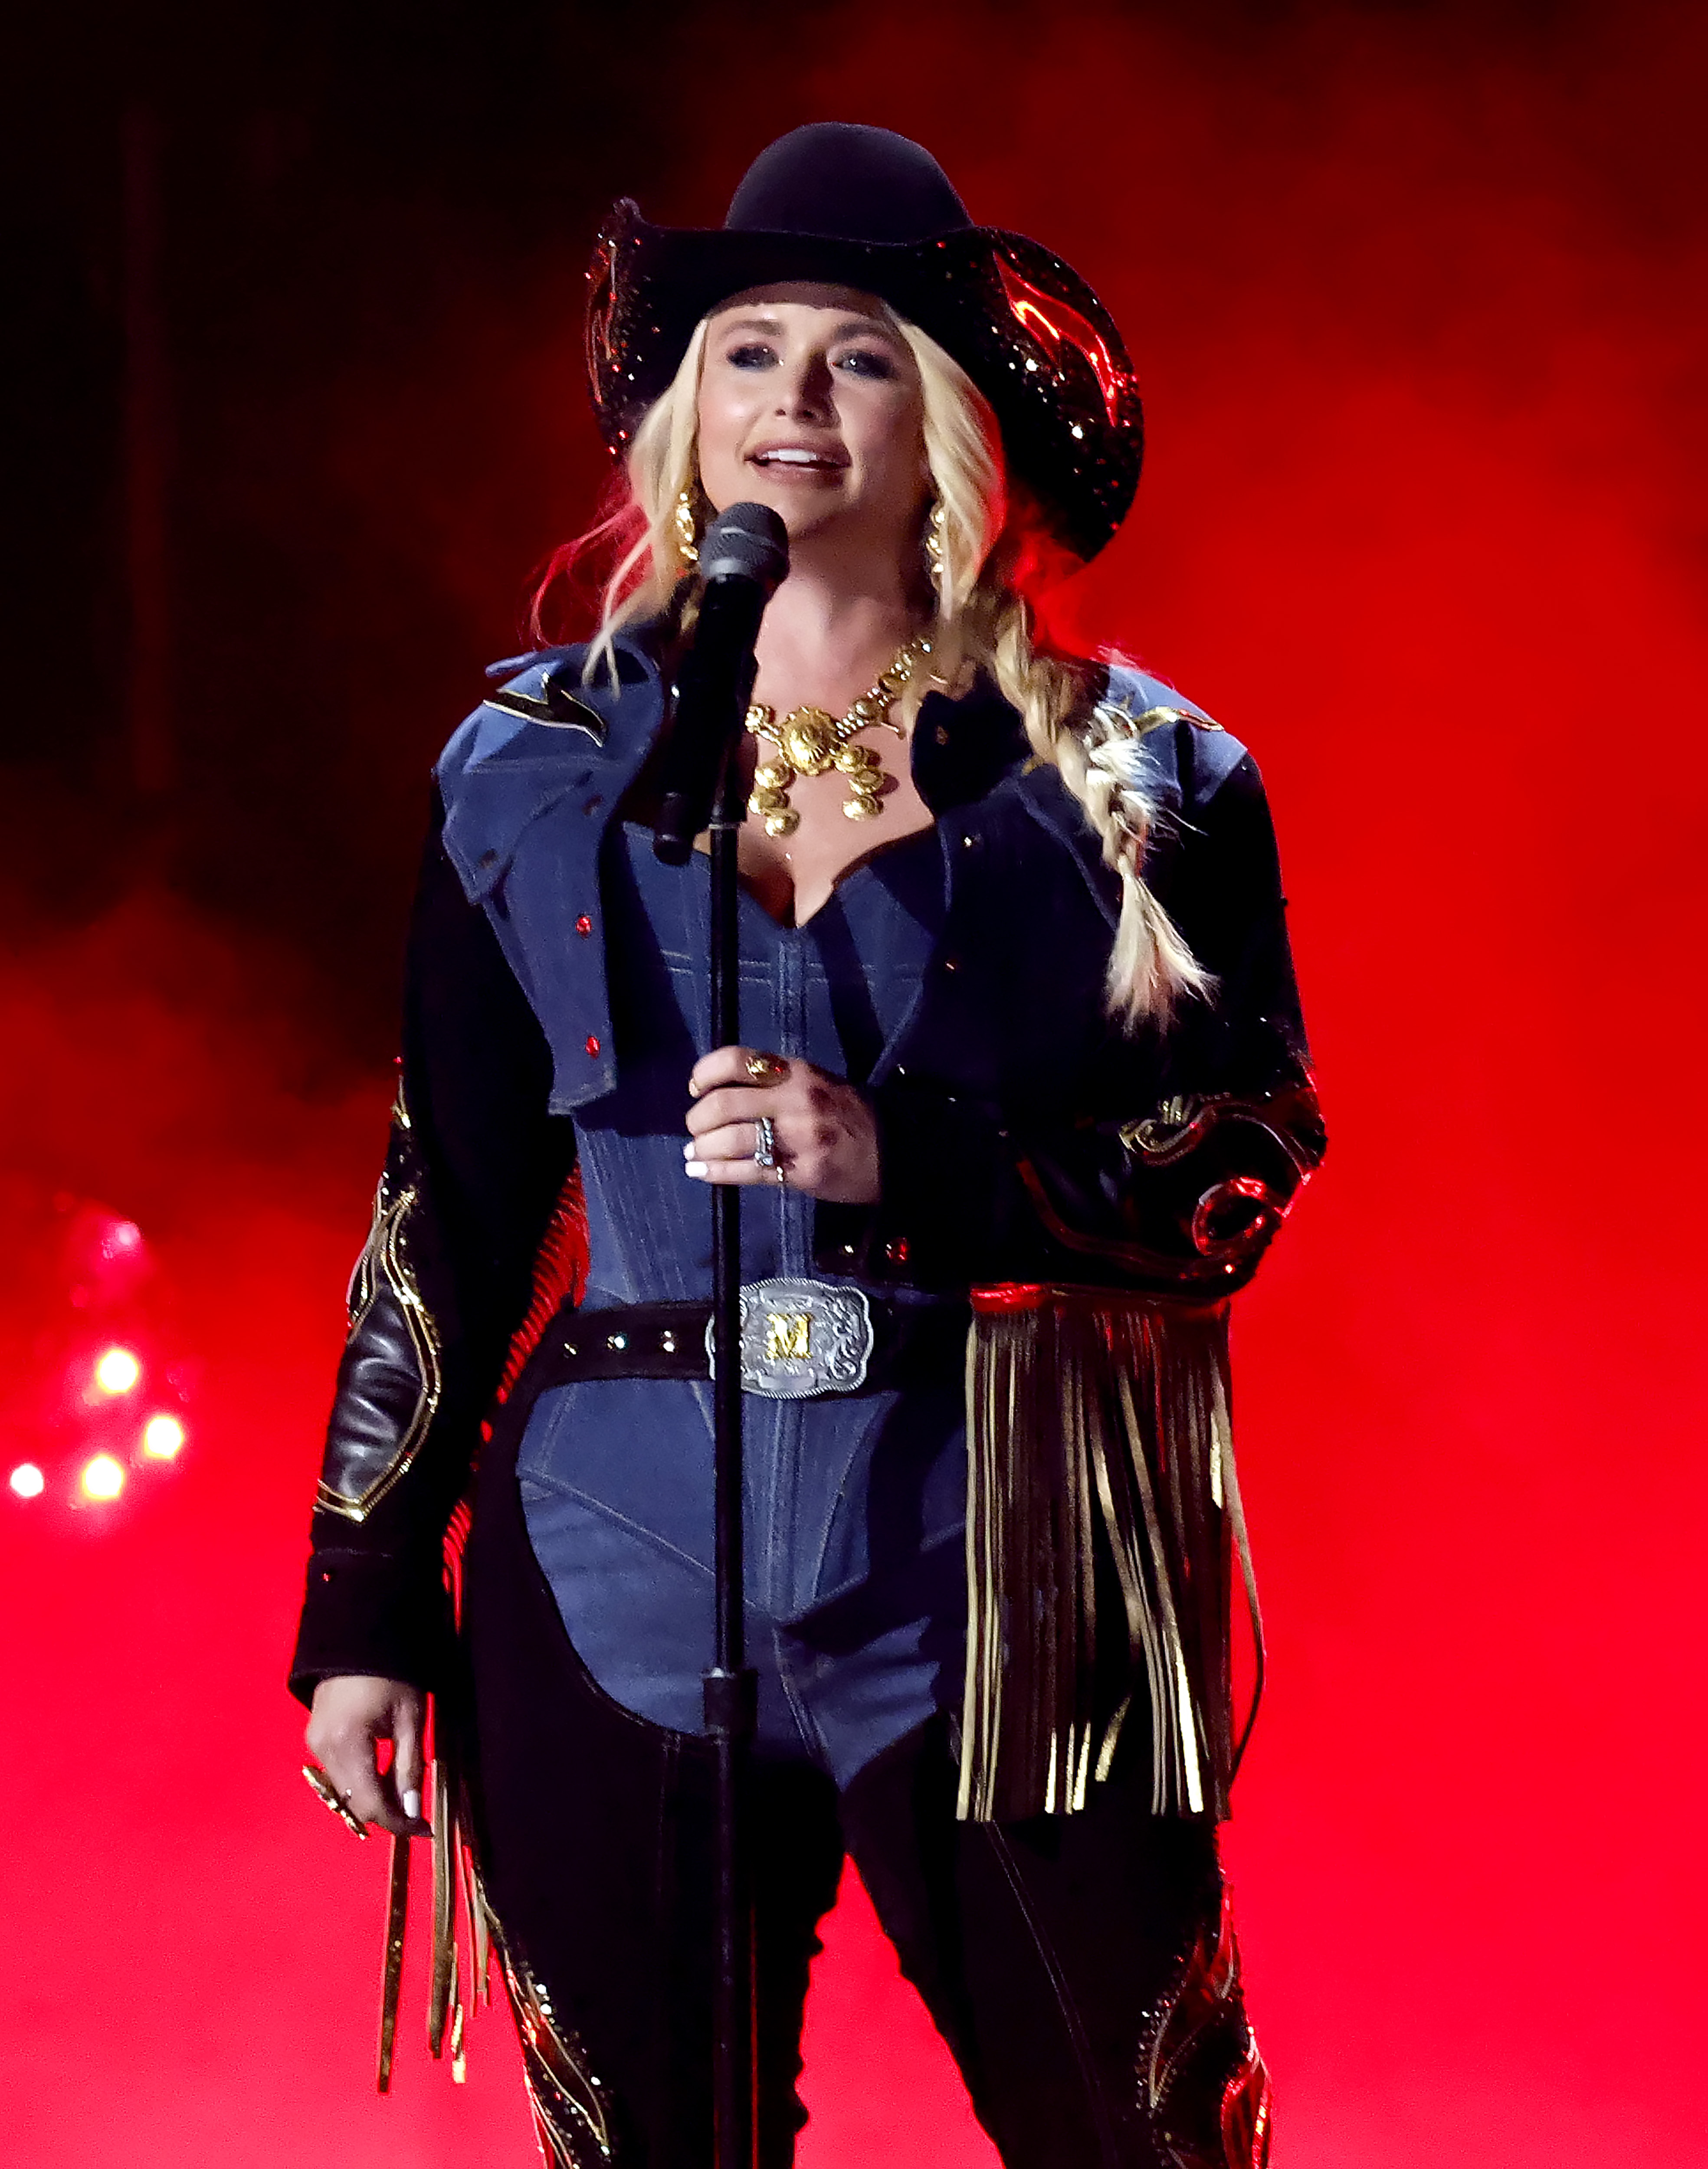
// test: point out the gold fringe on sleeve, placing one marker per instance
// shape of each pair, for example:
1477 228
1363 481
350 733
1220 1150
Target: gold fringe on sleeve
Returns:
1103 1519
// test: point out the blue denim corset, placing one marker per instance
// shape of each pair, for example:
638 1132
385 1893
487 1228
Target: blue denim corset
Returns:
854 1567
855 1573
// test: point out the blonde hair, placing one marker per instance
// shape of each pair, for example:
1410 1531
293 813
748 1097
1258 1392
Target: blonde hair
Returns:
983 622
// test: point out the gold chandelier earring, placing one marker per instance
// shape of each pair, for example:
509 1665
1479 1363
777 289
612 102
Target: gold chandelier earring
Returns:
685 519
935 522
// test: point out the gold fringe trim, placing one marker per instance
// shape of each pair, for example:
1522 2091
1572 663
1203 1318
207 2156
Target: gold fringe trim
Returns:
572 2123
1098 1436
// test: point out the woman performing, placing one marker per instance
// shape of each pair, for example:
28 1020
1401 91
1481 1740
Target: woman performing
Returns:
1020 1098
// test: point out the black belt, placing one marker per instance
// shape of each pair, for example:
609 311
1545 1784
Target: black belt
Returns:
911 1344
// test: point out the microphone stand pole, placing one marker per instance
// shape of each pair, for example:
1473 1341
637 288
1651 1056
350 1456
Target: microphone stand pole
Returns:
744 556
731 1685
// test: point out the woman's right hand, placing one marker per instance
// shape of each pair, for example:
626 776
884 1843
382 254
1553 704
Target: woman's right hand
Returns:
352 1713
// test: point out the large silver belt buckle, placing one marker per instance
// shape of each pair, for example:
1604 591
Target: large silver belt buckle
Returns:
800 1337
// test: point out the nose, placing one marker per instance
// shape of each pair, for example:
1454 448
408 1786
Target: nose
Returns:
806 392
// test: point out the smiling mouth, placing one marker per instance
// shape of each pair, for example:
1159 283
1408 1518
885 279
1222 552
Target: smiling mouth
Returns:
797 459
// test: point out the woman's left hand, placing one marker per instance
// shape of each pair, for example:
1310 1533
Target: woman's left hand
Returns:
824 1133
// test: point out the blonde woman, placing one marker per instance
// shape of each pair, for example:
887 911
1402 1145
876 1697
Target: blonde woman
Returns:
1021 1096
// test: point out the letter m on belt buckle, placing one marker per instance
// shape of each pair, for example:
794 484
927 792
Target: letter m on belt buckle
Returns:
788 1333
800 1337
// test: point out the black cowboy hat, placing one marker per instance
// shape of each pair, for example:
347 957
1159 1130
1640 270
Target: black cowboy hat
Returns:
862 207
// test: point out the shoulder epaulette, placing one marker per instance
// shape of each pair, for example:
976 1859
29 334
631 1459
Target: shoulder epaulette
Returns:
549 700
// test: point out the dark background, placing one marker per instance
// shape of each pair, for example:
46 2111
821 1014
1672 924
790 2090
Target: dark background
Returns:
294 320
283 277
295 415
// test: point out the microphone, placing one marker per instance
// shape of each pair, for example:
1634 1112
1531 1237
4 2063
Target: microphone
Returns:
743 559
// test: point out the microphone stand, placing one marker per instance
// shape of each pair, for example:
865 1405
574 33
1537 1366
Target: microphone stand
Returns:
730 1687
743 556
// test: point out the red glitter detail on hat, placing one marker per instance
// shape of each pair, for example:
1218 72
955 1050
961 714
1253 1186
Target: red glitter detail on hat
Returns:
1054 325
602 307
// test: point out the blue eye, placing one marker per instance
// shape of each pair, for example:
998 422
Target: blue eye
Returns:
867 361
750 357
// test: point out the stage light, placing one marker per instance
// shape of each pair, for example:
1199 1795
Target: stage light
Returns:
117 1371
121 1238
162 1438
103 1477
27 1480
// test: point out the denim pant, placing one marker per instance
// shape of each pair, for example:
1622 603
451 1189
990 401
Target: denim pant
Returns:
1081 1968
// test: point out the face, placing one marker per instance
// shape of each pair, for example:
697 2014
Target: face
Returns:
810 404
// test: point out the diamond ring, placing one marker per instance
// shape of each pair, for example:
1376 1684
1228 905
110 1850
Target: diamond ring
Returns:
765 1144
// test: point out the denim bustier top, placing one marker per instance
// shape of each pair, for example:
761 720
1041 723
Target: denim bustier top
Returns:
854 1561
856 1579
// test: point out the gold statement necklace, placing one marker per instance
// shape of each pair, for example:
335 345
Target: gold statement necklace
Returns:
812 741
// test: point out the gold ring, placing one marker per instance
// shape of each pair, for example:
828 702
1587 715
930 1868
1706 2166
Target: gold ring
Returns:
764 1068
324 1790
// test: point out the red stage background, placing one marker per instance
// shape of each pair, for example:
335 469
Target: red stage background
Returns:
1417 297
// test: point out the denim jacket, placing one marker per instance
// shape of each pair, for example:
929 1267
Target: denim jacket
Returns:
1024 1135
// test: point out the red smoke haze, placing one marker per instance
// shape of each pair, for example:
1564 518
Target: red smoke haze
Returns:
1417 303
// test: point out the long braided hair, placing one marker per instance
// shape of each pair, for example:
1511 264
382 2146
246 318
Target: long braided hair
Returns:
991 564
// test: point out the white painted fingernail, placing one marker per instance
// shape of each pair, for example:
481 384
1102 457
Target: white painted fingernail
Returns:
697 1168
412 1806
688 1151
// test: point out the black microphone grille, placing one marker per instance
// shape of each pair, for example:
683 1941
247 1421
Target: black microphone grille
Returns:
747 542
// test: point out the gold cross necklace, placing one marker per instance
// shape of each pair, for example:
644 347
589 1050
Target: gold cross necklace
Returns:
812 741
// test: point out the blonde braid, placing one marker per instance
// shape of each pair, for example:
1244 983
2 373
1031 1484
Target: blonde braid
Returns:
1096 750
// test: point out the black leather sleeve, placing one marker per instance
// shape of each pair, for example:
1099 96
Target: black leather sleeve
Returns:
473 1167
1185 1147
